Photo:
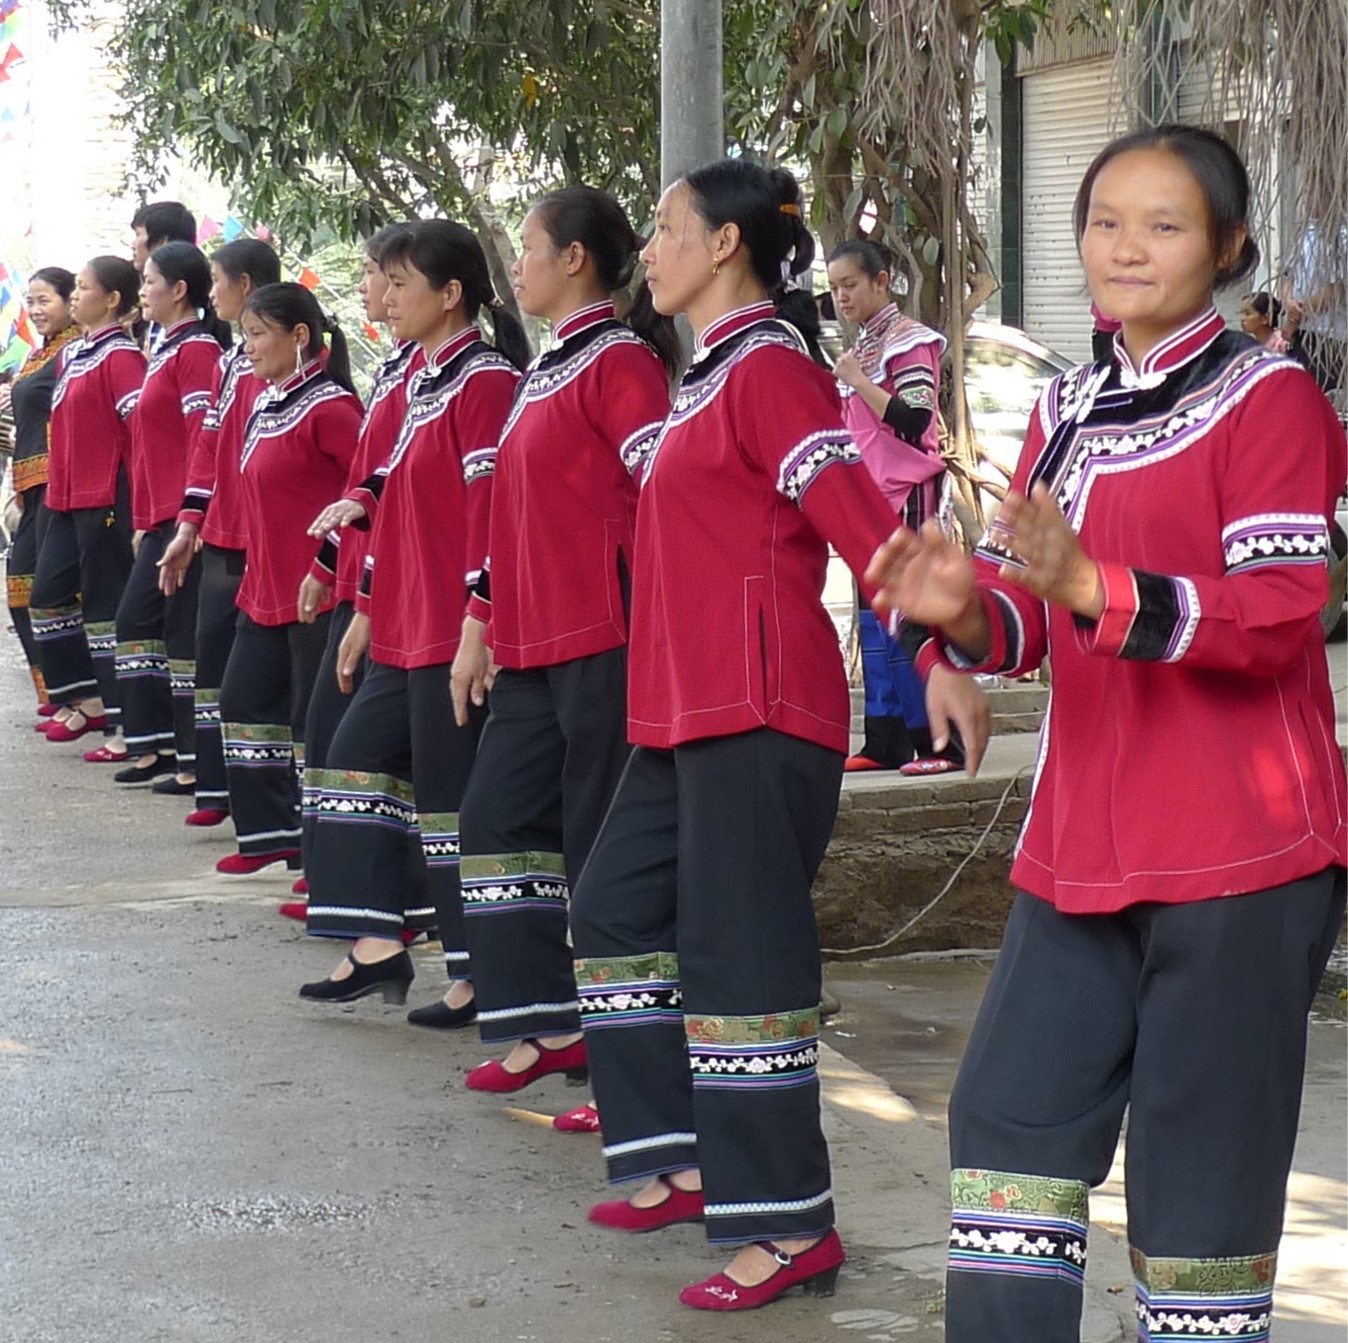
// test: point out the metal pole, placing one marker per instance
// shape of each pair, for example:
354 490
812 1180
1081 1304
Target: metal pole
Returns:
691 123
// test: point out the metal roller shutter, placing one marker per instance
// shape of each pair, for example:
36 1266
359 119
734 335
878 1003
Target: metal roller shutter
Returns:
1066 122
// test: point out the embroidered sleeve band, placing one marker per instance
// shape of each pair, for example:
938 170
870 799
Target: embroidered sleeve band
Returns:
803 464
1275 538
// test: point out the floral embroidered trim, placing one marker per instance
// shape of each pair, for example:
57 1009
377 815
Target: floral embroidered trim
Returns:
1204 1298
802 465
1275 538
777 1050
1029 1225
630 990
19 588
439 837
55 624
183 677
148 657
360 797
513 882
206 708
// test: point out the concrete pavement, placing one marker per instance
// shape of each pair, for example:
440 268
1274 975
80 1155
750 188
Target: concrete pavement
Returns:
191 1155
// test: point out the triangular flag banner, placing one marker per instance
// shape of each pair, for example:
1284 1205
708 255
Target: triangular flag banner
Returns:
371 331
309 278
262 232
233 229
206 230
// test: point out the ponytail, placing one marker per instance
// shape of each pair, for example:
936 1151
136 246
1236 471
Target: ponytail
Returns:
797 306
215 326
509 337
595 220
338 366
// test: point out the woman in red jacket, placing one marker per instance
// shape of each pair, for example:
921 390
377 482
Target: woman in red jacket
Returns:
156 634
552 608
697 956
384 854
212 519
297 449
84 564
1181 868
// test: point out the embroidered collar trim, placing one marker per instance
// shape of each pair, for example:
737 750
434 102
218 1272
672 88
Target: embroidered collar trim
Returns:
288 385
883 318
454 345
724 327
103 332
177 328
1173 353
581 320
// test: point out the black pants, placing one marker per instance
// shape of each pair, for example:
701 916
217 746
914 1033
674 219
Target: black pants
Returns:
263 702
20 569
217 619
327 705
385 851
546 769
1193 1017
81 573
697 961
156 654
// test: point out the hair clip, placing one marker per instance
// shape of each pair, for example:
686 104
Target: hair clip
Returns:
791 210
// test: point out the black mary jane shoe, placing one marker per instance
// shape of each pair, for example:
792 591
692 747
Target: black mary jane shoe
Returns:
161 764
173 786
441 1017
390 977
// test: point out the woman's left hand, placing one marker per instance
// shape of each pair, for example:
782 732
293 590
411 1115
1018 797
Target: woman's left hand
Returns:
312 599
1056 568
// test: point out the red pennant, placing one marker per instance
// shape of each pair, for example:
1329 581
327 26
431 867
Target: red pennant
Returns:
309 278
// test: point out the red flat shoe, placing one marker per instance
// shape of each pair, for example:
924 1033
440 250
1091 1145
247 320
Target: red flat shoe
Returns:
243 865
100 755
493 1076
59 732
206 816
301 886
816 1269
44 725
583 1119
928 765
678 1205
855 764
48 710
294 909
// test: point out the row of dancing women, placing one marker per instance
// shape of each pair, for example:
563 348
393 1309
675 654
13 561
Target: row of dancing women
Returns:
566 692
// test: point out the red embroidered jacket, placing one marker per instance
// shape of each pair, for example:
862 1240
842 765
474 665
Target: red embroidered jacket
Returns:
297 450
341 558
169 415
564 500
213 503
96 390
1189 748
748 482
431 504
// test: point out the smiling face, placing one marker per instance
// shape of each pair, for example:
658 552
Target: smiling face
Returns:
679 256
270 348
856 295
1147 247
49 311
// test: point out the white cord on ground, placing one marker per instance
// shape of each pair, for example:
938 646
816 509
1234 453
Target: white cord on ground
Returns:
940 895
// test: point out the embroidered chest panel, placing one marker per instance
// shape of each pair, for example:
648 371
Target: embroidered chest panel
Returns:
270 420
432 393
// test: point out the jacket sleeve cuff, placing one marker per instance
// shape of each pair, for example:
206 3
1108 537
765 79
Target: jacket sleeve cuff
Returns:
324 568
479 608
1146 617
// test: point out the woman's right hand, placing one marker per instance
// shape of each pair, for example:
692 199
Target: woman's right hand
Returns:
177 556
336 516
355 644
472 673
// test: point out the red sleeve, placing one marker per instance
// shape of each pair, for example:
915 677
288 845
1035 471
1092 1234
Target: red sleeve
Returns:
197 371
363 592
800 442
633 402
126 376
201 462
482 416
1277 495
336 435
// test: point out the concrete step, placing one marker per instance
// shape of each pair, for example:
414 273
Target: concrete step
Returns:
1017 706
